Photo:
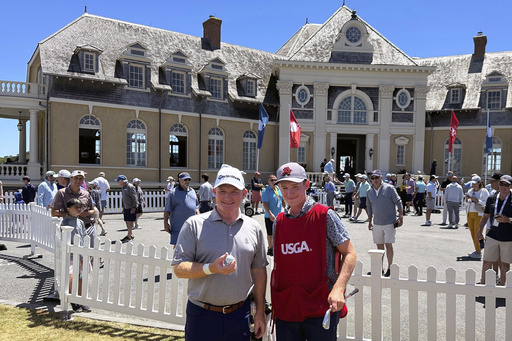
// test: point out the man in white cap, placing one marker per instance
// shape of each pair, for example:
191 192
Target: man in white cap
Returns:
104 186
308 238
364 186
130 204
46 190
63 179
222 253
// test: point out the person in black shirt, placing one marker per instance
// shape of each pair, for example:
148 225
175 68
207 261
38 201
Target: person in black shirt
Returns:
28 191
498 242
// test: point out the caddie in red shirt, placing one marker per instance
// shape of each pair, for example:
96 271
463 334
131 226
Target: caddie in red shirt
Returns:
305 284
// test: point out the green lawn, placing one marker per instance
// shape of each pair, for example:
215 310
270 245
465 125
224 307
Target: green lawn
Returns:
27 324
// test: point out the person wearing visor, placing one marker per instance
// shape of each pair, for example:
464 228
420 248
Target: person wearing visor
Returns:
180 204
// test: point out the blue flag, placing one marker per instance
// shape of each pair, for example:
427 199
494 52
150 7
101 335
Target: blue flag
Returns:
262 124
488 136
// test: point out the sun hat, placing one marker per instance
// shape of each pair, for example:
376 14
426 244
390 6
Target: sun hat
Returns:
229 175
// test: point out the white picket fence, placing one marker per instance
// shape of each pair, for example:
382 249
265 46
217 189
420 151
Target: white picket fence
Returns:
139 281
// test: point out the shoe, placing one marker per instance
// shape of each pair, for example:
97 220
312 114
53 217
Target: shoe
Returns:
85 308
76 307
443 224
102 264
132 237
126 239
428 223
270 252
355 220
388 273
135 227
449 227
351 218
456 226
475 255
104 233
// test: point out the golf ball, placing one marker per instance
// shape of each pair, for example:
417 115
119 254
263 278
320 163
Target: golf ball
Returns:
229 259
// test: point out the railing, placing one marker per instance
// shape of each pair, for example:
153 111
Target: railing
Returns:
155 201
13 171
139 281
12 88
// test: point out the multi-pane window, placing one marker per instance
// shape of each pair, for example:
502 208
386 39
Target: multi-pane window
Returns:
455 95
136 76
400 155
352 110
216 88
178 146
89 62
301 153
215 148
249 150
178 82
250 87
456 157
494 99
492 161
89 140
136 143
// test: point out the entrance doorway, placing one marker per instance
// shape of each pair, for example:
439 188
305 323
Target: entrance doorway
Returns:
350 154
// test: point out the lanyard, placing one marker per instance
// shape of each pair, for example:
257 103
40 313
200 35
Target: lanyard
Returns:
502 206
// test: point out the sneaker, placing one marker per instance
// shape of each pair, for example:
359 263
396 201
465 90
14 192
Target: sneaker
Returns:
104 233
85 308
443 224
428 223
126 239
475 255
352 218
76 307
456 226
449 227
135 227
388 273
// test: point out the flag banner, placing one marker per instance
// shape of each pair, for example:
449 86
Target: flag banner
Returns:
454 124
294 131
262 123
488 136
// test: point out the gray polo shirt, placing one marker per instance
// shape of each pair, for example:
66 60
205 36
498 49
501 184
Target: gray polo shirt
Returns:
205 237
384 206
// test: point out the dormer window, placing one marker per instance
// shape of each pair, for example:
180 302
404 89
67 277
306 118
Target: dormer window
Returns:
216 88
89 62
494 91
178 82
136 76
251 87
133 66
177 70
494 99
455 95
215 77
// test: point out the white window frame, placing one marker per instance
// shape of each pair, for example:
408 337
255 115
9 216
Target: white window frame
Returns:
251 87
215 139
455 95
301 153
92 58
400 155
131 80
91 122
183 86
136 144
456 159
493 103
353 111
216 89
250 143
494 158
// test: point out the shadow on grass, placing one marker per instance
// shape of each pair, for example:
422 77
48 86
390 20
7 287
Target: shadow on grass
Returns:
39 318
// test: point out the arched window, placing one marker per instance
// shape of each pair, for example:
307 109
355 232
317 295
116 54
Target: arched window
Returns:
178 146
89 140
215 148
136 143
249 150
352 110
456 159
492 161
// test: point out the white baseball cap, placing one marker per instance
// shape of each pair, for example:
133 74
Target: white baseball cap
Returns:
291 171
64 173
228 175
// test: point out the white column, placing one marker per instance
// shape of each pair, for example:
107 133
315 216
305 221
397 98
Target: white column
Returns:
386 105
285 100
23 142
320 123
369 144
418 157
34 141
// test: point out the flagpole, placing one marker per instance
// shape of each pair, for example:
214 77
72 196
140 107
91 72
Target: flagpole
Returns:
289 135
257 160
486 155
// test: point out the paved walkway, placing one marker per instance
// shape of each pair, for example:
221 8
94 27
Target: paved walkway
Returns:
28 281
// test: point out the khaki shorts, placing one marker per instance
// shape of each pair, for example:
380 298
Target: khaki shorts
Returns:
431 204
384 234
494 249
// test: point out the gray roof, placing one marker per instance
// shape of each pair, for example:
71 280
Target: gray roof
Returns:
455 69
311 43
113 37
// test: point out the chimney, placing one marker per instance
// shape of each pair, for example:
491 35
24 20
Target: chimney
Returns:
480 42
211 32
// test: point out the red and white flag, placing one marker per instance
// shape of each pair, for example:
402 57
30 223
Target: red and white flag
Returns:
294 131
454 124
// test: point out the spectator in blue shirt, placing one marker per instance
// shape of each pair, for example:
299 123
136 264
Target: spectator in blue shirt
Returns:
329 189
46 190
350 186
419 195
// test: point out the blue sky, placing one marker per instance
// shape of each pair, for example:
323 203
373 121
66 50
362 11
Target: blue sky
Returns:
419 28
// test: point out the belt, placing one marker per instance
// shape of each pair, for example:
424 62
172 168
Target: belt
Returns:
88 225
227 309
